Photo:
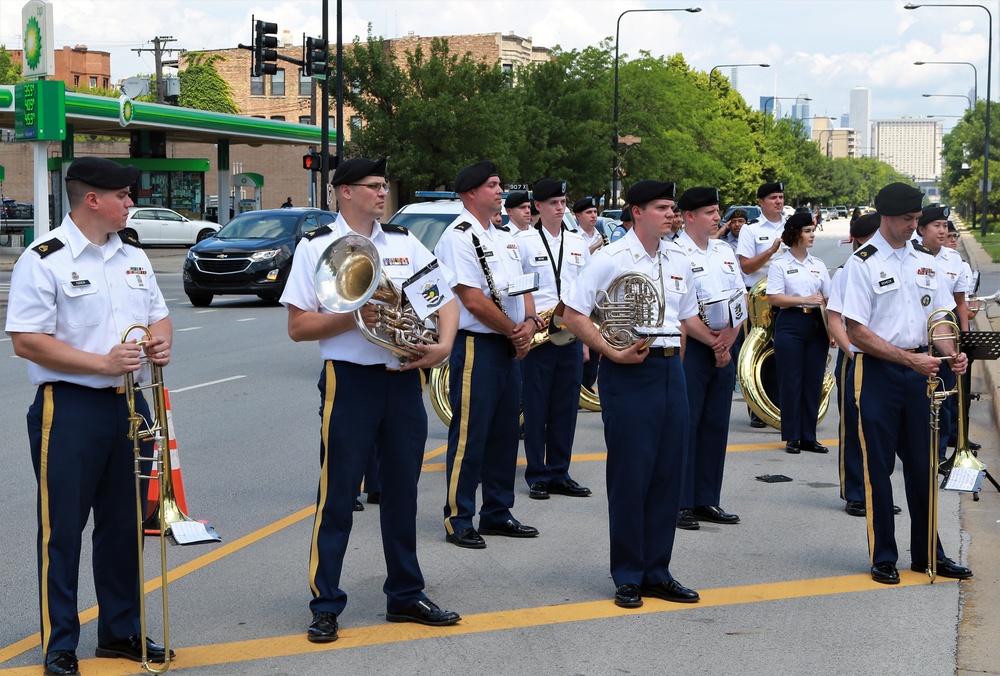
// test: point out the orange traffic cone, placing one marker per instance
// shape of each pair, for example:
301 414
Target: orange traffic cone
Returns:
152 521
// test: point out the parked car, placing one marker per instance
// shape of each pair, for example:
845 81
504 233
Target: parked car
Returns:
753 213
157 225
841 211
12 210
250 255
614 214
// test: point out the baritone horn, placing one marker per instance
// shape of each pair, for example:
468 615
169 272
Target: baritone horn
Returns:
349 274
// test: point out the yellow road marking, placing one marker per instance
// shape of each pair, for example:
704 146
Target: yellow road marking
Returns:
288 646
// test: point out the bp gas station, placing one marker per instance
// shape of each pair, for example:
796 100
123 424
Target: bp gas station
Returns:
42 112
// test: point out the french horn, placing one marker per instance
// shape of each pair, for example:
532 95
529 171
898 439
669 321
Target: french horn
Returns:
757 349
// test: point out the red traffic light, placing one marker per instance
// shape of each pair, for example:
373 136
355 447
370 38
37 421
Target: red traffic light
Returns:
312 161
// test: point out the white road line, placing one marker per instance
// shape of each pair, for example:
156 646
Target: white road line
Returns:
247 319
171 300
201 312
4 340
211 382
190 328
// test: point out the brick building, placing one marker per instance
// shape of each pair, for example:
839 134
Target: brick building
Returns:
288 96
77 66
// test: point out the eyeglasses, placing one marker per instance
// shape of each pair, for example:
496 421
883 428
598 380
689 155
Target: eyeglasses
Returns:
952 235
373 186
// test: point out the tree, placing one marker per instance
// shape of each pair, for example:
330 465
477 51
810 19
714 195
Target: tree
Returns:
10 72
963 155
203 88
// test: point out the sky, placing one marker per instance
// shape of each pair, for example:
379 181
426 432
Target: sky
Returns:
817 48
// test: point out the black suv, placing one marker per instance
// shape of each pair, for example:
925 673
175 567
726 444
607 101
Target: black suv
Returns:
250 255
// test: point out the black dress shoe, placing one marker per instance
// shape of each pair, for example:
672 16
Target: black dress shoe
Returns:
945 568
813 447
686 520
468 538
538 491
628 596
131 648
855 508
425 612
973 446
511 528
715 514
374 498
896 509
570 488
323 628
885 573
671 591
61 662
358 507
757 423
792 447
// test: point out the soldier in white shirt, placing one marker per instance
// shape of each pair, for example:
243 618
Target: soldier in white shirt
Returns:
367 399
518 206
892 288
709 370
643 399
495 329
585 210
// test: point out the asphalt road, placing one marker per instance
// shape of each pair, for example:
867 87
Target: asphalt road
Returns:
786 591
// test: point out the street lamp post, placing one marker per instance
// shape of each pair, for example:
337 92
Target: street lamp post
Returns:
614 141
951 96
975 73
733 65
989 84
826 148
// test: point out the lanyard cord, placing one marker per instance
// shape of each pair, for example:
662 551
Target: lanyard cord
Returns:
556 270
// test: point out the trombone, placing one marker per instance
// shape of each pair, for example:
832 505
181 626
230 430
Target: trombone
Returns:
141 430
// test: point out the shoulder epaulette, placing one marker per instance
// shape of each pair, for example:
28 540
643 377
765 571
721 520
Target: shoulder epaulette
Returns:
865 252
323 230
128 237
753 221
397 229
462 227
505 228
917 246
47 247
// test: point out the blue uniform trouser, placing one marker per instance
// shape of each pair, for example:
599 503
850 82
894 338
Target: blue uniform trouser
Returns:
852 482
948 419
645 412
800 347
362 407
710 399
551 395
84 460
894 419
485 383
590 369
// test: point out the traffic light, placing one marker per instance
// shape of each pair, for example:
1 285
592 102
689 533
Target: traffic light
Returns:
315 57
265 53
313 161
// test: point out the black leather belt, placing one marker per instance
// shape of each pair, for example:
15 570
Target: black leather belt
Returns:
488 336
664 351
921 349
802 310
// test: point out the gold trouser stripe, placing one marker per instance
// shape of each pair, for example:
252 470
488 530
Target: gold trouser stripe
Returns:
331 391
463 431
858 372
843 428
43 486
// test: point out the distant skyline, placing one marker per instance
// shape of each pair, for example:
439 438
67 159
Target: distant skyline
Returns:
820 48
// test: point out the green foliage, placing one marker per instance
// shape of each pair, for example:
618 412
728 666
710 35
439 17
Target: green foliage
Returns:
963 151
106 92
10 72
203 88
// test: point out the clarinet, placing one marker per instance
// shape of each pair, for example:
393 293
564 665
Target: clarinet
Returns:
488 274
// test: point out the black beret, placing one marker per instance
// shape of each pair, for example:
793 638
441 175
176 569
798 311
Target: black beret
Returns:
534 209
738 213
935 213
647 191
627 213
474 175
866 225
547 188
696 198
897 199
355 169
769 189
583 204
516 198
102 173
798 220
951 227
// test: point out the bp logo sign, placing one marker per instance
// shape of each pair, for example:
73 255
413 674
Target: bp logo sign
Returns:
33 43
36 21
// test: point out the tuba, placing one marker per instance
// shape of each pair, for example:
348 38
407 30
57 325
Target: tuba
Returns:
757 349
348 275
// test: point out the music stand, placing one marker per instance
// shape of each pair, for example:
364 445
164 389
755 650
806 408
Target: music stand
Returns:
981 345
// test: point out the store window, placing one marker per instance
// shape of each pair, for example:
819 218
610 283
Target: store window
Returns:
93 82
305 119
257 86
305 84
278 83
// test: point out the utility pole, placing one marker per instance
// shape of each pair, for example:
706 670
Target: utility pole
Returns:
158 51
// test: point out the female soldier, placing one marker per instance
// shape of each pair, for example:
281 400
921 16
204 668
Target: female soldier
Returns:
798 285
